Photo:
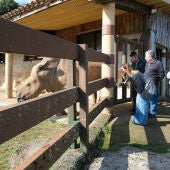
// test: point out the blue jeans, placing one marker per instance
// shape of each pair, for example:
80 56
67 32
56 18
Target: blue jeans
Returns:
153 104
142 110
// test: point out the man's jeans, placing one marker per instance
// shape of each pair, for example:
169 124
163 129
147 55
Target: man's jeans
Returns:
153 104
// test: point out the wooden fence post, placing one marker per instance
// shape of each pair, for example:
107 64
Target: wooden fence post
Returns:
84 93
71 111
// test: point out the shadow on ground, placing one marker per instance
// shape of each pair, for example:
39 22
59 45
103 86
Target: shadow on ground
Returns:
134 146
120 130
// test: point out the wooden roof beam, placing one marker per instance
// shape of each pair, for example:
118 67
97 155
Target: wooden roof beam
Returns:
128 5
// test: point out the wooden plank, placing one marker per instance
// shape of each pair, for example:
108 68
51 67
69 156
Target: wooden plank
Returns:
119 38
46 156
116 65
96 85
115 92
97 110
95 56
124 91
84 93
71 110
21 117
16 38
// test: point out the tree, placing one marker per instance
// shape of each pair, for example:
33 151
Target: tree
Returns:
7 5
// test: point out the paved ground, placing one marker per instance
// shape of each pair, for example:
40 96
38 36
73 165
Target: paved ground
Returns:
130 158
4 102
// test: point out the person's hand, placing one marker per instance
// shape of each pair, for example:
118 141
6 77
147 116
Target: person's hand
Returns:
122 84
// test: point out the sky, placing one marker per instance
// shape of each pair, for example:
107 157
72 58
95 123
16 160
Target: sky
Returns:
22 2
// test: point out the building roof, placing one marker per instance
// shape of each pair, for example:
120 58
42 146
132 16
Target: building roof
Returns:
163 5
59 14
33 5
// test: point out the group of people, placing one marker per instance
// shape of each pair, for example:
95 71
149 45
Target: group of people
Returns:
144 77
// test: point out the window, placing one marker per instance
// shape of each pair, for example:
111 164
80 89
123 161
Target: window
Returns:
92 39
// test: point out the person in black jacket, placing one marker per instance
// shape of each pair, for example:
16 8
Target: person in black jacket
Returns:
137 64
155 70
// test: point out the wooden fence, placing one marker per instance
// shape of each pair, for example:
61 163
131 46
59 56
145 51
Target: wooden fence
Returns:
21 117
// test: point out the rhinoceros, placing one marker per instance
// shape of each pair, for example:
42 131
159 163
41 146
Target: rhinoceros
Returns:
50 75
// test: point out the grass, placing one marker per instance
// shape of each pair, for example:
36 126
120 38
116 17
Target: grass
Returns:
43 130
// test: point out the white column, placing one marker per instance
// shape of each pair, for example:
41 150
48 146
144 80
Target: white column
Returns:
8 74
163 82
108 43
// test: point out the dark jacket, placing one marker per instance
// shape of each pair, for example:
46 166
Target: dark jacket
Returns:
155 70
140 65
143 85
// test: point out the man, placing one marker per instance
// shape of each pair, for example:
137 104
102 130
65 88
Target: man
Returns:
155 70
137 64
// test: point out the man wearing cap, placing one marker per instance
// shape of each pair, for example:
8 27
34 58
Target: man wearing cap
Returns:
137 64
155 70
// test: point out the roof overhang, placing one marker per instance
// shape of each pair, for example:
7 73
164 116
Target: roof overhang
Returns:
62 15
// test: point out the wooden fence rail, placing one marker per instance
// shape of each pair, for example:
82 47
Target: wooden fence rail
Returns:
21 117
24 40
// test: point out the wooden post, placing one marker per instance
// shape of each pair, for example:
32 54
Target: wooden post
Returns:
8 74
150 37
163 82
108 44
71 111
124 59
146 33
84 93
152 40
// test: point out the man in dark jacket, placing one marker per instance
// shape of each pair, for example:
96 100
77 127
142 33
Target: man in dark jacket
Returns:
155 70
137 64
